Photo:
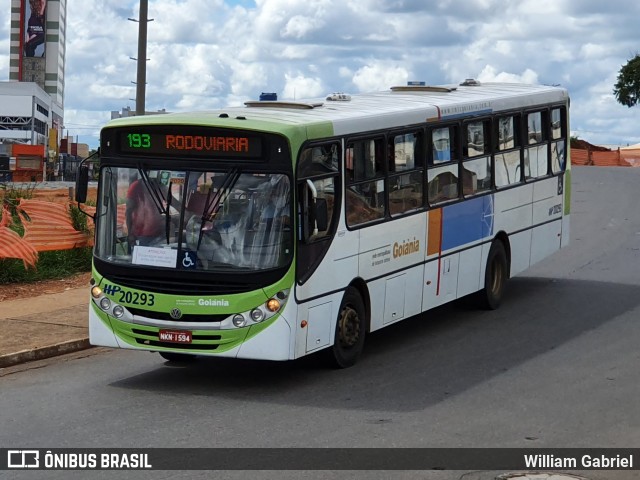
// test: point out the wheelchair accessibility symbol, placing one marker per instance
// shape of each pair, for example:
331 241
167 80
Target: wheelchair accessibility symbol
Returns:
187 261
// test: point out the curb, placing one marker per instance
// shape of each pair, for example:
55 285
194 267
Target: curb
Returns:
41 353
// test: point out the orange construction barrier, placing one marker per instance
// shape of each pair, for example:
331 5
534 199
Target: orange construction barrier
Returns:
612 158
13 245
49 226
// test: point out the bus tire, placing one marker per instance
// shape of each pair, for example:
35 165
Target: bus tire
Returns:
495 277
351 327
177 357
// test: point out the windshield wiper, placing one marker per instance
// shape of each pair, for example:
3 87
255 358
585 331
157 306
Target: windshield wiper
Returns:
153 189
213 203
167 224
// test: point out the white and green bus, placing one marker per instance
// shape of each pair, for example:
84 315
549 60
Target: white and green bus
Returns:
279 229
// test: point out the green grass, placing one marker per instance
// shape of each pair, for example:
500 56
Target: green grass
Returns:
51 265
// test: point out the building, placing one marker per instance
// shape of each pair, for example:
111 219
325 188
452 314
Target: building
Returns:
38 39
27 113
32 102
127 112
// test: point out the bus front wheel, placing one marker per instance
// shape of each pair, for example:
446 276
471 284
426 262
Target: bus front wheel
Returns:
495 277
351 327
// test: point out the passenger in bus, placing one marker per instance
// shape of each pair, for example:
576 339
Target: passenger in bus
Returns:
275 213
145 223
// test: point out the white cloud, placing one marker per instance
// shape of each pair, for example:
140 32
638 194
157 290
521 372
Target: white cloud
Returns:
379 76
211 53
489 74
299 86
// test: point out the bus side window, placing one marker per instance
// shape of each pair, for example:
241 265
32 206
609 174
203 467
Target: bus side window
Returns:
558 136
365 192
443 145
536 154
507 155
405 181
476 164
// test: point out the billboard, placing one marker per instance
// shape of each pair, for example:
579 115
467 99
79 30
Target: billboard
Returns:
35 21
33 34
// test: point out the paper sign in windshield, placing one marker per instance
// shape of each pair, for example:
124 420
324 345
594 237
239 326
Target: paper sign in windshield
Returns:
154 257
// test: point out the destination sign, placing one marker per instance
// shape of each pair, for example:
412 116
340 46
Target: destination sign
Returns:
217 145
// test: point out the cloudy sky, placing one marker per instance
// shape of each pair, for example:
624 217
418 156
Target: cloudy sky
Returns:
213 53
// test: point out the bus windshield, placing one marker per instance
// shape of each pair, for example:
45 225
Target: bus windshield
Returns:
193 220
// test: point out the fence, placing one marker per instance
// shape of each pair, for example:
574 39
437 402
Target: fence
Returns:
621 157
47 227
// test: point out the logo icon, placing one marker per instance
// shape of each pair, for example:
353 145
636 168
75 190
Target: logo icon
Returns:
176 314
23 459
187 261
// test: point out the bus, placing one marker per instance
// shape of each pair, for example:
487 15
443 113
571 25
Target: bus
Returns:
275 229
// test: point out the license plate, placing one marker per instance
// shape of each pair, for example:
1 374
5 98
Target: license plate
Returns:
172 336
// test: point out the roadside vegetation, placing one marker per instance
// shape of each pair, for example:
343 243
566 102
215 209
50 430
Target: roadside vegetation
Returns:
51 265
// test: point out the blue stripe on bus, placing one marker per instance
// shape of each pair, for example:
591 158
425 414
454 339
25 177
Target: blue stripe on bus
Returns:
467 222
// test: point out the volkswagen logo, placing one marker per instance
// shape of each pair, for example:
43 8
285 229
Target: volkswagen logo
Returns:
175 313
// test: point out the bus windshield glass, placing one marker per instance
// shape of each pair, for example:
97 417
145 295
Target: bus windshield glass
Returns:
194 220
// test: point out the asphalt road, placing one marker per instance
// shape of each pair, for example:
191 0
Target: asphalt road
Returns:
556 366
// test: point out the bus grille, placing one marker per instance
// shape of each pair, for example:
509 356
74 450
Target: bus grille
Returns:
185 318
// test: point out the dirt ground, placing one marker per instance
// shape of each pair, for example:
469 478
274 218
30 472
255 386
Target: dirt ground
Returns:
14 291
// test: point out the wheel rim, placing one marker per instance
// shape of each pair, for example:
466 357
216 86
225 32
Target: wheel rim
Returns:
349 327
497 277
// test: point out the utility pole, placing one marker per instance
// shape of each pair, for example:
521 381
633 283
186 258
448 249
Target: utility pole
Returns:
141 81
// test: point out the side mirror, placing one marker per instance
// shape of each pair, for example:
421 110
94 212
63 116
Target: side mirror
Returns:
82 183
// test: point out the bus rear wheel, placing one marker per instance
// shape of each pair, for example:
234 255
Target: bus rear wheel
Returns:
351 328
495 277
177 357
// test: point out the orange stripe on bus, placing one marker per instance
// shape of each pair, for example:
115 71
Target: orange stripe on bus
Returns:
434 232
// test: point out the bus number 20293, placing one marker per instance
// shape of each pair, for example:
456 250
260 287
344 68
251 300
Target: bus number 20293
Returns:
133 298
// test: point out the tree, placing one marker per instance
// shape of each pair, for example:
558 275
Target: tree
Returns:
627 88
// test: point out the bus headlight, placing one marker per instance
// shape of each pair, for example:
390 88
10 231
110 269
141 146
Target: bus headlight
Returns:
118 311
105 303
239 321
257 315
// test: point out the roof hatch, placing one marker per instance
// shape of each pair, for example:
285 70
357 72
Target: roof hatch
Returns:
279 104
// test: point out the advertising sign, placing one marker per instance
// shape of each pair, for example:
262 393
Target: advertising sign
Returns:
34 27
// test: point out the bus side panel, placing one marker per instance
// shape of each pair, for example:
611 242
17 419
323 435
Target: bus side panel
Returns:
398 251
566 224
514 215
469 271
547 200
513 209
545 240
566 219
520 244
547 216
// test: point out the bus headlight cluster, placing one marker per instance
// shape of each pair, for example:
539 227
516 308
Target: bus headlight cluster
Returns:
106 304
261 313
